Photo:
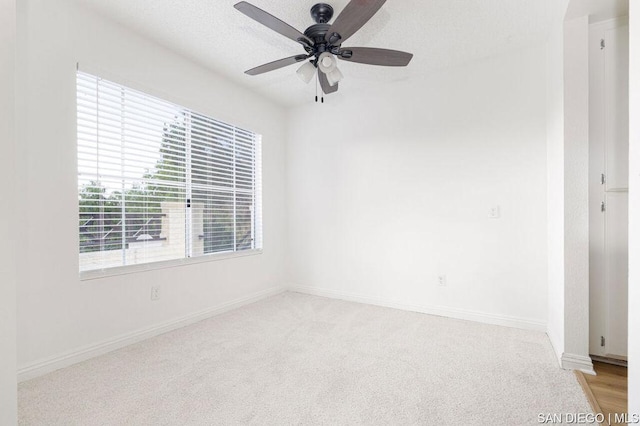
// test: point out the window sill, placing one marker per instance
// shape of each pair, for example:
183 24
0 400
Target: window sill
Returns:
134 269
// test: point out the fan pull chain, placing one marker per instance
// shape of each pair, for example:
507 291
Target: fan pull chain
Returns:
321 91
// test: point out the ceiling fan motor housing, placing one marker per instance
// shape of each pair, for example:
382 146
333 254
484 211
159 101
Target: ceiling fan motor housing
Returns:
317 32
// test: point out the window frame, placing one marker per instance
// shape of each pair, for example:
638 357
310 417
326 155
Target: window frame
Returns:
188 258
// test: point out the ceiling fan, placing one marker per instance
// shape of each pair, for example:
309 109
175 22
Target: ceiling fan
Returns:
322 42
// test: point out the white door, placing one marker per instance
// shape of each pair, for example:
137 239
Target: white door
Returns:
608 188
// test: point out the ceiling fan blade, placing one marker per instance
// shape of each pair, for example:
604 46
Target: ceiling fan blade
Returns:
324 83
280 63
374 56
272 22
352 18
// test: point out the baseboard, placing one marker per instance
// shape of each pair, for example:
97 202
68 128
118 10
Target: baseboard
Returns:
555 346
47 365
621 362
577 362
462 314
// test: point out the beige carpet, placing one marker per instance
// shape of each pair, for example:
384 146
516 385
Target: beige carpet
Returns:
299 359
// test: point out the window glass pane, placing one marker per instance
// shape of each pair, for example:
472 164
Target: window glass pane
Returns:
212 153
244 221
216 218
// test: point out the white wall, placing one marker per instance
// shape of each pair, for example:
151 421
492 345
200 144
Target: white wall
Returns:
397 189
8 403
634 207
576 194
57 313
555 180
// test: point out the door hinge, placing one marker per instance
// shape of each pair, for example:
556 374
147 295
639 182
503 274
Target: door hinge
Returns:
602 341
601 43
603 207
603 179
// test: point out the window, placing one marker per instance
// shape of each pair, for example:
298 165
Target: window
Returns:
159 182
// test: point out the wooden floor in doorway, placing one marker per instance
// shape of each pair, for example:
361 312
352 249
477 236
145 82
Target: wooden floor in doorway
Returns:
606 391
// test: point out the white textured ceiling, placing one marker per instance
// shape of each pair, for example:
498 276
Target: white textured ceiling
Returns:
439 33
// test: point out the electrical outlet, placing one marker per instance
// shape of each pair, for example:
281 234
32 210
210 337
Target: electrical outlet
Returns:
442 280
494 212
155 292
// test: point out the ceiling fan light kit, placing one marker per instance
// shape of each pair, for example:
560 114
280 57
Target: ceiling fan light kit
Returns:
306 72
328 65
322 42
334 77
327 62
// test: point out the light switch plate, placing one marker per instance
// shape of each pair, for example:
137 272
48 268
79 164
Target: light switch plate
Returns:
494 212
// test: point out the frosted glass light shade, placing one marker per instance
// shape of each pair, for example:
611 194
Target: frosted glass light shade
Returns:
334 77
327 62
306 72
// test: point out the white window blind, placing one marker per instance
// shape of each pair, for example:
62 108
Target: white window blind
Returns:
159 182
